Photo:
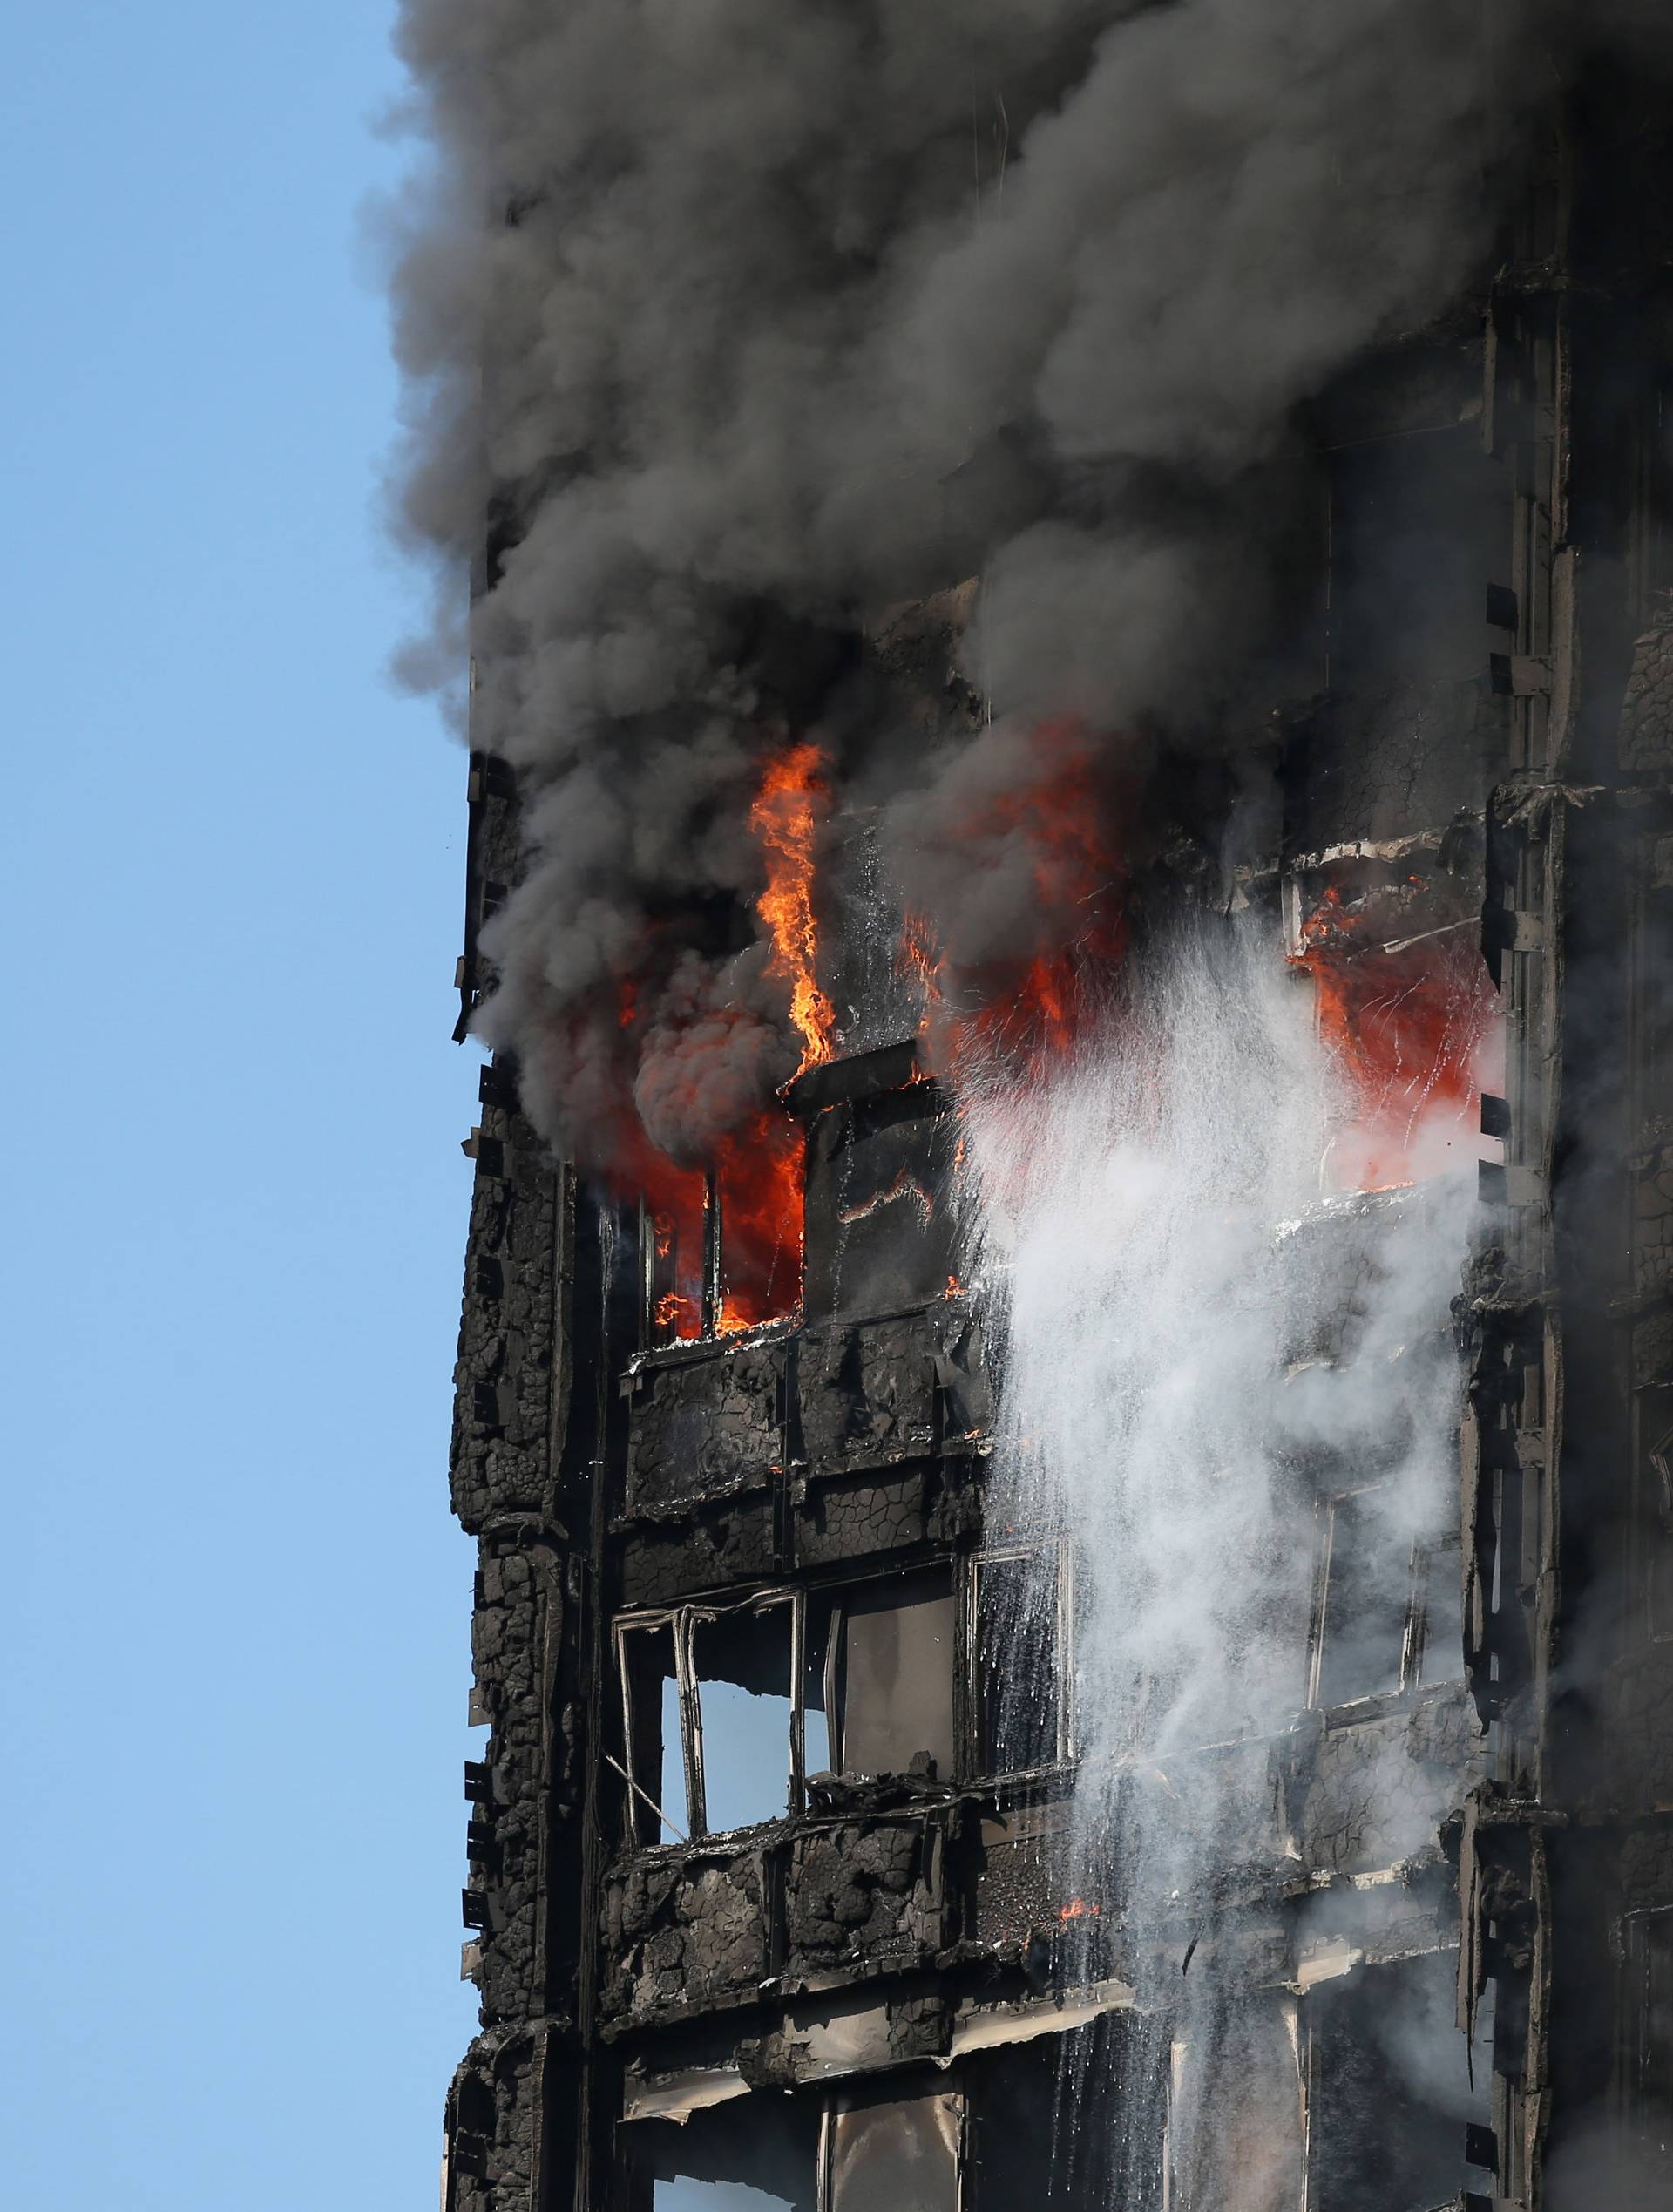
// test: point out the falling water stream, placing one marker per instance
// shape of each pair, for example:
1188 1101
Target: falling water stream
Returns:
1196 1348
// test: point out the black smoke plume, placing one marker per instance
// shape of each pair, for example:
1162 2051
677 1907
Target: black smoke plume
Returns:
730 325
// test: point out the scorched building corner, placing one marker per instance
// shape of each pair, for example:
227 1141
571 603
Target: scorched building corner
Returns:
775 1895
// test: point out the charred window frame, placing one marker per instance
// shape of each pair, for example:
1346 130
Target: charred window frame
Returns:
1646 2065
1391 2095
654 1649
1019 1596
1368 1617
884 1652
856 1656
883 2150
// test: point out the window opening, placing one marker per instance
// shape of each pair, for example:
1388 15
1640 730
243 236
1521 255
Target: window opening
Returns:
653 1734
758 2156
682 2193
902 2155
741 1670
1439 1627
1363 1601
1388 2094
726 1709
890 1667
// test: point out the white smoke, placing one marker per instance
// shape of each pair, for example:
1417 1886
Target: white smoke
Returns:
1195 1345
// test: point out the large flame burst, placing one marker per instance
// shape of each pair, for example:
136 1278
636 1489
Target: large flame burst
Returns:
789 809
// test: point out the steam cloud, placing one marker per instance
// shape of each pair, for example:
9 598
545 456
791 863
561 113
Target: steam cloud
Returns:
742 322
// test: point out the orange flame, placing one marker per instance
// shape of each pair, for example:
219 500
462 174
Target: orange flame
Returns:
786 816
758 1175
1078 1908
1032 1007
1415 1026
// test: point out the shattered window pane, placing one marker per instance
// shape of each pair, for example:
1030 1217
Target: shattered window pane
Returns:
1389 2090
897 1686
742 1665
896 2157
1367 1598
1019 1676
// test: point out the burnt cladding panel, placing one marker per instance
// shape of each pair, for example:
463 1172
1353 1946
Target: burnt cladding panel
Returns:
879 1226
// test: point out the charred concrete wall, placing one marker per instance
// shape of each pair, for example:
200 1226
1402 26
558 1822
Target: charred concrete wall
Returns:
864 1976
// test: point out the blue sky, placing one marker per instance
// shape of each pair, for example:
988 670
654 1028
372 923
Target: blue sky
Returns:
233 1650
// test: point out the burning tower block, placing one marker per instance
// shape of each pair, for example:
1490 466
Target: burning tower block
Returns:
828 1848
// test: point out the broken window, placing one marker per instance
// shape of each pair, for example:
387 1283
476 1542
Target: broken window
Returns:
1046 2134
1235 2115
761 2155
726 1709
885 1675
742 1667
893 2155
1438 1637
708 1717
1388 2094
653 1732
722 1251
1363 1603
1022 1648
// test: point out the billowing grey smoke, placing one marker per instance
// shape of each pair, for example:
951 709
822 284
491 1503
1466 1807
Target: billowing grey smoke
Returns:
730 323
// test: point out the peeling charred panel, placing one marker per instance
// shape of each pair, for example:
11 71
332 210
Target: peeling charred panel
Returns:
869 1893
1019 1876
880 1232
682 1933
1378 1791
857 1520
1392 759
517 1800
867 1395
517 1269
720 1546
704 1427
492 2155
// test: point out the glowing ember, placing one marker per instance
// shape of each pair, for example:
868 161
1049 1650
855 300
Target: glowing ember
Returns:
1078 1908
785 818
1412 1020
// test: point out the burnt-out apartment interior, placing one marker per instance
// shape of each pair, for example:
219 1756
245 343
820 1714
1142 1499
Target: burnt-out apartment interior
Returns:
776 1900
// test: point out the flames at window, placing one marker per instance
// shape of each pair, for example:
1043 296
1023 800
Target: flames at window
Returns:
1407 1009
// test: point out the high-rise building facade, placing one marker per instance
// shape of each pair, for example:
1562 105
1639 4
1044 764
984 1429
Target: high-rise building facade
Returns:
917 1774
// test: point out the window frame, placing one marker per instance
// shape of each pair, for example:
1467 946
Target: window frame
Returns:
1007 1552
683 1620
